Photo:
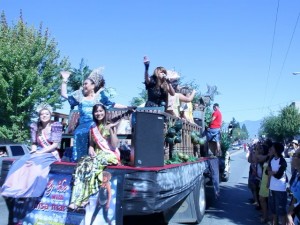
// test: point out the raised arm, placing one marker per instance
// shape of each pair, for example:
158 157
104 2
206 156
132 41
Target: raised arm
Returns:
187 98
170 88
113 135
147 64
65 76
92 152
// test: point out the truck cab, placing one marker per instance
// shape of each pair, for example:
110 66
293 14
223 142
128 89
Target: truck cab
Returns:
13 151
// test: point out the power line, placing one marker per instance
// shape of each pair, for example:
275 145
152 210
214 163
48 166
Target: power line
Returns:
287 52
258 108
271 55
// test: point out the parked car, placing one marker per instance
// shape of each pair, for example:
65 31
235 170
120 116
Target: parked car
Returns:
236 147
12 150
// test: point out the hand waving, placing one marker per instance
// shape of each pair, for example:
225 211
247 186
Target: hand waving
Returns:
65 74
146 62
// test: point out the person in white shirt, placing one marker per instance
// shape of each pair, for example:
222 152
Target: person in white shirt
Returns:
277 183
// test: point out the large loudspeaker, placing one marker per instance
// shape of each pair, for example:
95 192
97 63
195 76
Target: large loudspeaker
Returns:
148 139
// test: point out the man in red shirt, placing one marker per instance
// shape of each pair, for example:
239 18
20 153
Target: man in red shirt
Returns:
214 134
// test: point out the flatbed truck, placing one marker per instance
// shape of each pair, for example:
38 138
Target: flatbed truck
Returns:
147 189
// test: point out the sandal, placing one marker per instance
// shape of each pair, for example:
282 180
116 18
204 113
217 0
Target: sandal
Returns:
84 204
75 208
72 207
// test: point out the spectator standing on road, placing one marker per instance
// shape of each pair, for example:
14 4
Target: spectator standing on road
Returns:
255 172
27 176
85 98
263 159
158 86
214 131
294 147
293 216
278 180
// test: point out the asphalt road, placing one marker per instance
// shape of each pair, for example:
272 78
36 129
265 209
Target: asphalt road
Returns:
233 206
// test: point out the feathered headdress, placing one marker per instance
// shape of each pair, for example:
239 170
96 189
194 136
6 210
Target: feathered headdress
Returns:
96 76
172 75
44 105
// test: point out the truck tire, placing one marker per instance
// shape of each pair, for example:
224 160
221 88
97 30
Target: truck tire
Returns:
191 210
200 199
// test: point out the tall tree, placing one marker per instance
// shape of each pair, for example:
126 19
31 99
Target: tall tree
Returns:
29 74
283 126
245 132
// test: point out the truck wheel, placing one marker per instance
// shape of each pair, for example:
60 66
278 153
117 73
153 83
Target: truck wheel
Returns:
200 199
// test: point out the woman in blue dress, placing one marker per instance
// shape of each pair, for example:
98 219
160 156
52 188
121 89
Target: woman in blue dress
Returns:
85 98
28 176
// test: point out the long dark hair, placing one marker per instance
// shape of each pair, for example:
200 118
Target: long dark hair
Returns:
156 72
39 122
97 87
95 108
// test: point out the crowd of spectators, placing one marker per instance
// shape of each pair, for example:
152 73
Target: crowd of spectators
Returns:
275 191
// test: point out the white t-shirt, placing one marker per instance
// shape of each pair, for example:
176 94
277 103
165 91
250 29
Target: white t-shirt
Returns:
277 184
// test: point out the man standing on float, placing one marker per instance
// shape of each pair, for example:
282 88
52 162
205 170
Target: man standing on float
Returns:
214 131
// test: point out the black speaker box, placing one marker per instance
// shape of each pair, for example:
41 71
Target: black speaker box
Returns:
148 139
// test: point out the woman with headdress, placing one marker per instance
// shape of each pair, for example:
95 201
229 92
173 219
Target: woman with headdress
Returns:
174 102
158 86
28 176
86 97
103 151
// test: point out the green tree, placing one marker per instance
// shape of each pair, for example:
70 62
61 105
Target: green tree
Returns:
142 98
245 132
283 126
238 133
234 123
29 74
78 76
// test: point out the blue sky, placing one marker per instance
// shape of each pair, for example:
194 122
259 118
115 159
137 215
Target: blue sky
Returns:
232 44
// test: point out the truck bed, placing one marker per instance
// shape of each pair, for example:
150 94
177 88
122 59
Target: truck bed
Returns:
136 191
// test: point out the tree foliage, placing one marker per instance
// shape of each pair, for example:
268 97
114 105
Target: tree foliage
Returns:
225 142
78 76
29 74
245 131
238 133
283 126
141 99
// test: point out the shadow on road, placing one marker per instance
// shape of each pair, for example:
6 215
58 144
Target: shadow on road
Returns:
233 206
